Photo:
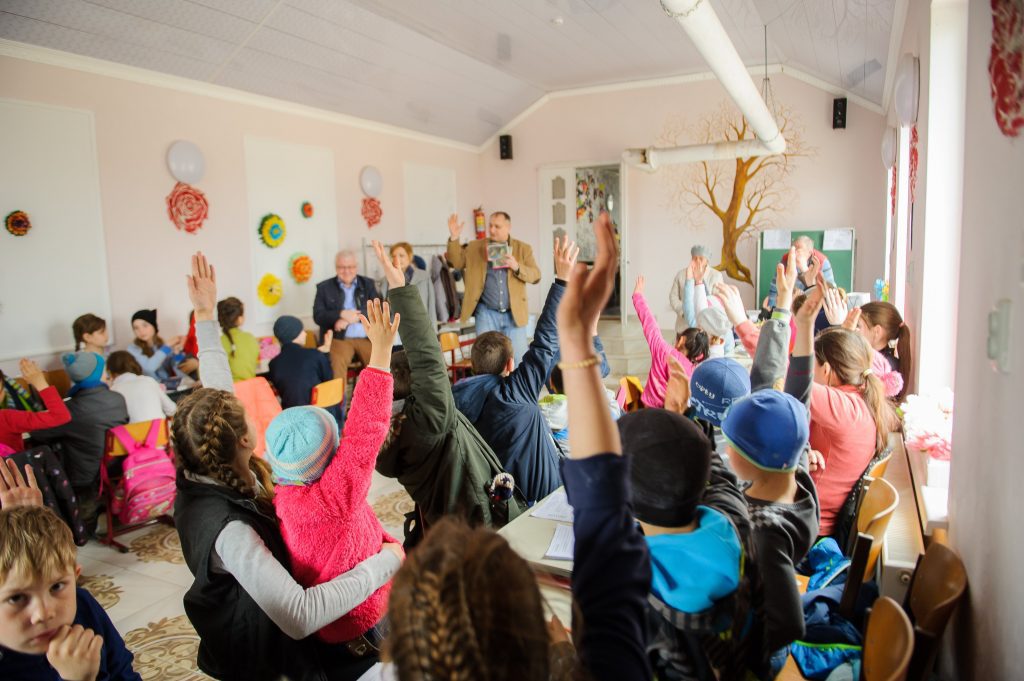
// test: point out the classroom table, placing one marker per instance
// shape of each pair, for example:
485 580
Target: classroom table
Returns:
529 536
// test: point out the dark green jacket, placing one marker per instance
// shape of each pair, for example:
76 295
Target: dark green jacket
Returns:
434 451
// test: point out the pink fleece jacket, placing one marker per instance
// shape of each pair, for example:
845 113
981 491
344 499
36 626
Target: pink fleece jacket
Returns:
843 430
661 350
328 526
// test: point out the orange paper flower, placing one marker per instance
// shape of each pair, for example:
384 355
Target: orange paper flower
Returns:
301 267
307 209
17 223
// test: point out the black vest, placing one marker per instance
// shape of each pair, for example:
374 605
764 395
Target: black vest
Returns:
237 639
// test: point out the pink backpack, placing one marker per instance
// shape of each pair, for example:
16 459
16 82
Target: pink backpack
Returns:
147 486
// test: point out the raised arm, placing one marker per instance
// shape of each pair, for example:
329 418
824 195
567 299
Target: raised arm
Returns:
456 252
611 572
800 377
214 370
660 349
347 479
689 307
526 381
56 413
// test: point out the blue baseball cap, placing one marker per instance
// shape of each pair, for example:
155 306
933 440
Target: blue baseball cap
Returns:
715 385
769 429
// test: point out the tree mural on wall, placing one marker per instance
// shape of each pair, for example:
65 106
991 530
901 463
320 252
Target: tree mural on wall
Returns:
746 194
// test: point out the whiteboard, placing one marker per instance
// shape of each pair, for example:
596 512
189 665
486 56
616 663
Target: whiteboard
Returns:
429 200
58 270
281 176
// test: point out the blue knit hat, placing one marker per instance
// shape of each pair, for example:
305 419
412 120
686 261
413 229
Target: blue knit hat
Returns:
715 385
300 444
769 429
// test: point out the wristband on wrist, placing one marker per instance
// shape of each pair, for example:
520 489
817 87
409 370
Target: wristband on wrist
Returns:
591 361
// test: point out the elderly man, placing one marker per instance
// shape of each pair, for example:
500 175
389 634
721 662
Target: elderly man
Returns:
336 309
809 262
693 288
496 270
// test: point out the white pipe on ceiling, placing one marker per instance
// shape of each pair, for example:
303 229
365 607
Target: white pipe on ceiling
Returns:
700 22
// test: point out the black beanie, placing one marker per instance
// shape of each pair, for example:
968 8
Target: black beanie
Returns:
146 316
669 465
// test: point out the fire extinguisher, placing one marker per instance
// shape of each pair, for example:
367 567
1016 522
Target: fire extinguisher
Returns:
478 221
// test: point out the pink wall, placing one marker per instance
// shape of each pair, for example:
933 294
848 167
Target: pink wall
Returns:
135 123
988 466
842 186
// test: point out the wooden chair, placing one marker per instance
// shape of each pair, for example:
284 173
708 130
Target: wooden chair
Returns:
873 516
111 475
878 466
888 643
328 393
630 390
58 378
450 343
938 584
310 340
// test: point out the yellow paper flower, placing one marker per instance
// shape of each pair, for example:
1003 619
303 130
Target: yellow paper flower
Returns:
270 290
272 230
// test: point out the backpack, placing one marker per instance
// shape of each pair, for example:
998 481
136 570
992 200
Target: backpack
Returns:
147 486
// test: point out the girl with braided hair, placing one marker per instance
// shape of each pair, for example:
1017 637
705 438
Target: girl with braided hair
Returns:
253 619
466 606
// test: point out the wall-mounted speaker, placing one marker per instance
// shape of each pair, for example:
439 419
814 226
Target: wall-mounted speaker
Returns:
839 113
505 147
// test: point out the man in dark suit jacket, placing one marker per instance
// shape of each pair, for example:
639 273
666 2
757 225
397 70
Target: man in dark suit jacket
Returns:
339 302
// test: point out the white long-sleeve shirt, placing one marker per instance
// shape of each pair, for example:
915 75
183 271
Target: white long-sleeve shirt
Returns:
144 397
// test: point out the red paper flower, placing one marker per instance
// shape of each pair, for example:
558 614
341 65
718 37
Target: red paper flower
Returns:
372 211
187 207
17 223
914 160
1006 65
307 209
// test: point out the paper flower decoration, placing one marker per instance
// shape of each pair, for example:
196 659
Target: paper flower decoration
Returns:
187 207
372 211
269 348
928 423
270 290
301 267
18 223
272 230
307 209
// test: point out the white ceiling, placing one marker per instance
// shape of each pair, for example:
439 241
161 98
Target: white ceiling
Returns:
459 69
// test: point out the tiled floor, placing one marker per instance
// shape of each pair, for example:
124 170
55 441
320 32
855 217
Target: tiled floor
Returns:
142 590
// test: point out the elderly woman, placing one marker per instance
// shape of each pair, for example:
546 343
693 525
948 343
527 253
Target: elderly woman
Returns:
693 288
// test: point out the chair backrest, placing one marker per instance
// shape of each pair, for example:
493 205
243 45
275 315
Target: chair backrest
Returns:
58 378
260 404
878 467
630 390
310 340
449 341
328 393
138 430
939 583
888 642
876 508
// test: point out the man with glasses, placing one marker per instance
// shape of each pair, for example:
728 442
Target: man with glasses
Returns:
339 302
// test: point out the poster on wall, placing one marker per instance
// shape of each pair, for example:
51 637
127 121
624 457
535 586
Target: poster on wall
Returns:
281 179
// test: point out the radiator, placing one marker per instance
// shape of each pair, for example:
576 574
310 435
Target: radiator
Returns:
903 540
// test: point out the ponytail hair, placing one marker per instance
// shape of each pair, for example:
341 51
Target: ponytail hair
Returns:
849 355
87 323
229 311
694 343
206 434
897 332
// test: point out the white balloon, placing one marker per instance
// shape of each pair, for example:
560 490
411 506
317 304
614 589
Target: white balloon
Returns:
186 162
907 90
889 147
371 181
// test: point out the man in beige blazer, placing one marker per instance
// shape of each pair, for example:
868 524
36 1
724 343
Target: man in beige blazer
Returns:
496 271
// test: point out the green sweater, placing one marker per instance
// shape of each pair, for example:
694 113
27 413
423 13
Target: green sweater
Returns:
246 358
434 451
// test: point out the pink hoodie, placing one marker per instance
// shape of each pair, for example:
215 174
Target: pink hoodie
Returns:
661 350
328 526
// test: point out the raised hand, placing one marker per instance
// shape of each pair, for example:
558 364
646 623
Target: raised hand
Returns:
202 288
640 286
812 271
566 253
587 294
395 276
32 374
381 330
510 262
454 227
75 653
732 302
785 282
16 490
699 270
813 303
835 308
689 270
852 321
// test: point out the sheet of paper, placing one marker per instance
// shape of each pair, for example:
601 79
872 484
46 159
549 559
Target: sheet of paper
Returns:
776 239
562 544
555 507
837 240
